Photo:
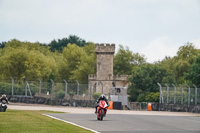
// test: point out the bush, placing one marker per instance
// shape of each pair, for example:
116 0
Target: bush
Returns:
5 88
60 94
19 89
96 95
152 97
33 88
141 97
71 93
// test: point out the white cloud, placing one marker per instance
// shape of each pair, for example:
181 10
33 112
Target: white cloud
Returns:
196 42
149 27
158 48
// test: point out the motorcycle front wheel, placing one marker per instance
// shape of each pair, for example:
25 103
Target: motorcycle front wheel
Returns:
102 114
98 114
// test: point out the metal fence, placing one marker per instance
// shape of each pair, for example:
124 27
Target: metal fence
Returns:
138 105
51 93
181 94
44 89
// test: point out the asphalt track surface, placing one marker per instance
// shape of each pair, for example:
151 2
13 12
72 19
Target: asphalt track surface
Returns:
122 123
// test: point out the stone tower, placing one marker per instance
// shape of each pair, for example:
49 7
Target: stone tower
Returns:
105 61
104 81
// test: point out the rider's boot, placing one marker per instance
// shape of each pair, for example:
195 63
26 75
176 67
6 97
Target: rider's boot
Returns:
96 111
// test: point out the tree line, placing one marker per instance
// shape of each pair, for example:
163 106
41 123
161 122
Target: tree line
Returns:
184 68
74 58
35 61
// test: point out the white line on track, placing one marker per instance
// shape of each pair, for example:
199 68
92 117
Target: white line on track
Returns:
72 123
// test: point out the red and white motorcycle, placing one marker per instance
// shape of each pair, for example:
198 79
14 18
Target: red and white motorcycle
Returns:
101 110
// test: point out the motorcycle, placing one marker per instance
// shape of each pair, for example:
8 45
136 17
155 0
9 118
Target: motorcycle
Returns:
101 110
3 106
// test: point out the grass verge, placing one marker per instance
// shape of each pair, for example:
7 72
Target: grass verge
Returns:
26 121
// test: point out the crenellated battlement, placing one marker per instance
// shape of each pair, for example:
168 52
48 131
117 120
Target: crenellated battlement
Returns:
105 48
92 77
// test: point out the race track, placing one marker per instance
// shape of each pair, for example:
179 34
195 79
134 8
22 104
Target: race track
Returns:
121 123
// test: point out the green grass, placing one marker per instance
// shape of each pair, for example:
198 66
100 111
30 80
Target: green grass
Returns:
18 121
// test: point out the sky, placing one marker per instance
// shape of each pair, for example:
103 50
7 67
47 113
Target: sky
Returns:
153 28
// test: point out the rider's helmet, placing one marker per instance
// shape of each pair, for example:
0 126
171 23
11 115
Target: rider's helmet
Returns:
102 96
4 95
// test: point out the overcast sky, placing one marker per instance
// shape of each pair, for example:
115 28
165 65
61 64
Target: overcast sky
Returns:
154 28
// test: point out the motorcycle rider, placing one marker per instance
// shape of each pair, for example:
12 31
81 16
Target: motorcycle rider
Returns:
3 97
102 97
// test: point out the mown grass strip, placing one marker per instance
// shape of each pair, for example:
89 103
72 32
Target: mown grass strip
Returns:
23 121
71 123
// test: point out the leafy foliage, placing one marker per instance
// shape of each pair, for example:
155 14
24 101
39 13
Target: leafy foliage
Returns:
73 59
152 97
125 60
21 59
31 60
71 94
96 95
180 64
60 94
193 74
5 88
61 43
144 80
2 44
76 63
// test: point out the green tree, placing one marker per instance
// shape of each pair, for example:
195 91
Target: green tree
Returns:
76 40
180 64
21 59
96 95
144 81
78 63
61 43
152 97
72 55
125 60
61 67
2 44
193 75
186 56
87 64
